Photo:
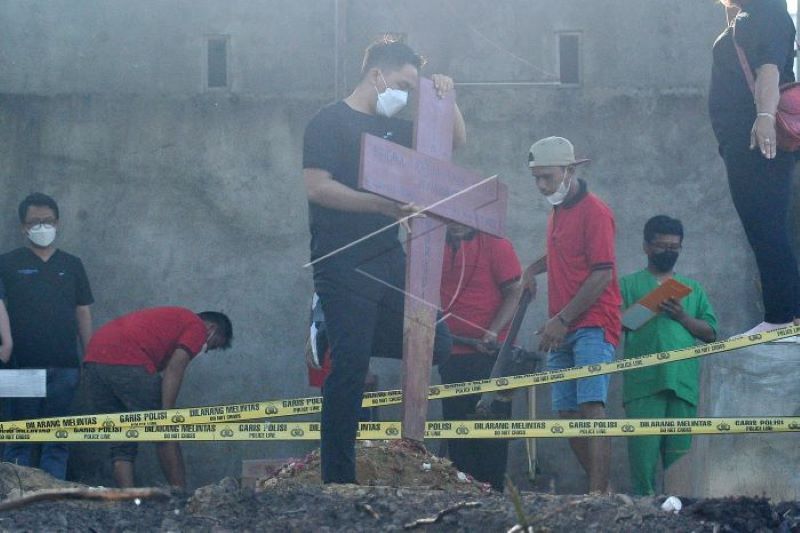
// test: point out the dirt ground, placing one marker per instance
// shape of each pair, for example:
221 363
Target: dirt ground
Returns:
399 486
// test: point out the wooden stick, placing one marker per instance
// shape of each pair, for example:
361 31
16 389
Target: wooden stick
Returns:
83 494
440 515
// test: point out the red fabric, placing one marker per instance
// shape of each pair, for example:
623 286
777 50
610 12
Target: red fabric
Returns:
147 338
580 239
317 376
472 277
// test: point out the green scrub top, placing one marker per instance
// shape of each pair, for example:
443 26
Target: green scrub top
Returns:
663 334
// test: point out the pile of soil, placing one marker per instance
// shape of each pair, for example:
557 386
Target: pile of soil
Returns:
292 499
394 464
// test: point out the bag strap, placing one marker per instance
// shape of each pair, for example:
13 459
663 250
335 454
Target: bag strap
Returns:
748 72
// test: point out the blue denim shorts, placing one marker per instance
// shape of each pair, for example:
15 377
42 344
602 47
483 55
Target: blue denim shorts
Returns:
585 346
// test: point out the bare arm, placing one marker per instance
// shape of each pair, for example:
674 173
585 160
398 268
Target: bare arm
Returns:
529 276
555 329
323 190
511 292
5 335
83 314
172 377
767 94
169 453
587 295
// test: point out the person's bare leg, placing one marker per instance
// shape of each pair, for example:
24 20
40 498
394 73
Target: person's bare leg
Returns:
123 474
598 450
171 459
579 445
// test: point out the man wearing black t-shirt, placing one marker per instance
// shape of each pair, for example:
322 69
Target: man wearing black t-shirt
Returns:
358 287
48 304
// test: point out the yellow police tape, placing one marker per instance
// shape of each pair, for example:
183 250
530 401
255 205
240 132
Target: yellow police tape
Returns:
465 429
305 406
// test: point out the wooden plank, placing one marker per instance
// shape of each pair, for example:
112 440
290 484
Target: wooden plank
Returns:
423 278
424 176
404 175
433 137
433 127
23 383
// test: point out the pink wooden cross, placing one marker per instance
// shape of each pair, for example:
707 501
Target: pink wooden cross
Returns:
425 176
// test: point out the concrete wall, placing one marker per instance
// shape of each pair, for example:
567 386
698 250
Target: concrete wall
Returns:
176 195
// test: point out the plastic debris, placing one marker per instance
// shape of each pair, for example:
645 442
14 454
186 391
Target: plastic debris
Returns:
672 504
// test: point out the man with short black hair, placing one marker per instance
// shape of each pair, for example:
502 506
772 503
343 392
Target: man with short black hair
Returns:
670 390
48 304
122 366
360 288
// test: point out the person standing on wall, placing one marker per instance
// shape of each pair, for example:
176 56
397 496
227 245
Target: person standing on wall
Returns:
670 390
583 293
49 300
759 173
357 287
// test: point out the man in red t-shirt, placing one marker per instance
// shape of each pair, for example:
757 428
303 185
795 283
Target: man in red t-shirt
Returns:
480 289
122 366
583 293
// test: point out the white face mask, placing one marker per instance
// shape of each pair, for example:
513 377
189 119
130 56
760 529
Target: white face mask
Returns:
558 197
204 349
42 235
390 101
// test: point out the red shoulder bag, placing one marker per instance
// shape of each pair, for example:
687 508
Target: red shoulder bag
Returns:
787 117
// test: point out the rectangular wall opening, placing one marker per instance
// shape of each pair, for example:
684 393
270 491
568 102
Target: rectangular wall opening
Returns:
217 66
569 58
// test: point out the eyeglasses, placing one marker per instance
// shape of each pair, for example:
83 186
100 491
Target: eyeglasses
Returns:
49 221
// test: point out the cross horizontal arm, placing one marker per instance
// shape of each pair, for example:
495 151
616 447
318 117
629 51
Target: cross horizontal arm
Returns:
408 176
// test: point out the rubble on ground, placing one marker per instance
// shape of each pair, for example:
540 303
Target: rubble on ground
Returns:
435 500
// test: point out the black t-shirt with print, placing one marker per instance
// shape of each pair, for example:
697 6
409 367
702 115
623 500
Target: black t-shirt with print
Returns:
765 31
332 142
42 297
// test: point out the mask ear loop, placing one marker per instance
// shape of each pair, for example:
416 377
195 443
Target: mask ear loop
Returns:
569 186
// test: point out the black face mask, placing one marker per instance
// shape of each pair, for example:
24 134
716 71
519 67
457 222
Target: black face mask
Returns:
664 261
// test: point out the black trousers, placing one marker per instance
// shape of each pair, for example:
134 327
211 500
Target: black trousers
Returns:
483 459
364 318
762 193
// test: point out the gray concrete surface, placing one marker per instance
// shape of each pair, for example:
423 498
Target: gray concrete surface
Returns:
173 194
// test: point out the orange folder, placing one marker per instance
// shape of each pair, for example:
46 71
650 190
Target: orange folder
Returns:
638 314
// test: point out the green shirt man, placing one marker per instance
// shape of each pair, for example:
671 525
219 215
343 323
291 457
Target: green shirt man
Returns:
670 390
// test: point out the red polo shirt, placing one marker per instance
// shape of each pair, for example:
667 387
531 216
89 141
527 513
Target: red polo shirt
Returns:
147 338
580 240
472 279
